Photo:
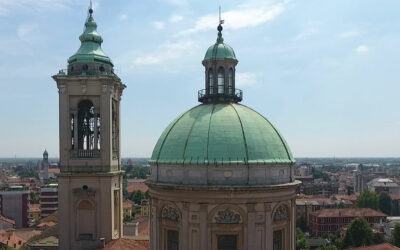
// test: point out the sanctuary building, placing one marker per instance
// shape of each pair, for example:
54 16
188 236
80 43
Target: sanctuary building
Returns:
221 174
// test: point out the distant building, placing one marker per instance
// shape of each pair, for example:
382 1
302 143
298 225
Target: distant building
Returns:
34 213
14 205
6 223
128 208
145 208
322 189
16 238
384 185
359 183
47 172
48 199
333 220
383 246
135 185
306 206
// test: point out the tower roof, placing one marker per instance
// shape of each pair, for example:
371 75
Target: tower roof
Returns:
220 50
90 50
45 152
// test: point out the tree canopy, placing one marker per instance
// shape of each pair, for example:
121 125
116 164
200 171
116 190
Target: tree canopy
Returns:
396 235
385 203
367 199
359 233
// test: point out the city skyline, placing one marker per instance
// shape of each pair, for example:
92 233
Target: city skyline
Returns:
323 74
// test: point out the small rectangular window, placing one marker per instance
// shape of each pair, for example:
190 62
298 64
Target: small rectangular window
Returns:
227 242
172 240
278 240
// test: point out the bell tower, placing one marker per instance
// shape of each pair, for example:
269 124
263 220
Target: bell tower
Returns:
90 181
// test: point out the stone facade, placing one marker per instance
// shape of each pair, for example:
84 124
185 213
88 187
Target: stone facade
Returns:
202 214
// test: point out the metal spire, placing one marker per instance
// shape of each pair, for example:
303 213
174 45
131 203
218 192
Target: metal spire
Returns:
220 20
220 39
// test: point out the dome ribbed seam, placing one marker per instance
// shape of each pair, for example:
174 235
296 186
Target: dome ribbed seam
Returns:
277 132
208 133
187 138
166 136
244 136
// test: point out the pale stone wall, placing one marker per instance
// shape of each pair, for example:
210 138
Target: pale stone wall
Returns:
226 174
200 214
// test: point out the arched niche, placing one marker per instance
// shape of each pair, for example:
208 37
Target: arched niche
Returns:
85 220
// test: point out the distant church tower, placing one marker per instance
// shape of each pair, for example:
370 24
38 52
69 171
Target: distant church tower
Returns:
45 166
90 182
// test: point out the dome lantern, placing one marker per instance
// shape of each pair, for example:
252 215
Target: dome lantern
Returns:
90 58
220 62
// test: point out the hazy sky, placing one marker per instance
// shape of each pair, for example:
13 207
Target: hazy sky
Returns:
325 73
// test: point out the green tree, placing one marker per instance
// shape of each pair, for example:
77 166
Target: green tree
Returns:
367 199
301 240
33 199
341 205
137 196
330 247
301 223
359 233
385 203
396 235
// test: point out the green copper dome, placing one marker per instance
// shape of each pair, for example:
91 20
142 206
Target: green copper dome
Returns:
220 50
90 50
221 133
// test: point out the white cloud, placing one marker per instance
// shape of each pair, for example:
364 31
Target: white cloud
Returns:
309 29
158 25
7 6
362 49
166 52
175 18
351 33
175 2
123 17
243 16
248 79
27 32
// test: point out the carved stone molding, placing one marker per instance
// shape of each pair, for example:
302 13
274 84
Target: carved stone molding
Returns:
62 89
281 214
170 213
227 216
84 88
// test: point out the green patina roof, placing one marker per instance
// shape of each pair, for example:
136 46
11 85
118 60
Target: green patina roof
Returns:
90 50
220 50
221 133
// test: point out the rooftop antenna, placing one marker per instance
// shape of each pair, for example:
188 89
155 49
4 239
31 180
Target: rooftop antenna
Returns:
220 20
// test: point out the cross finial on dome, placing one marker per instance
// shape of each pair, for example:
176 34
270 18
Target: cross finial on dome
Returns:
220 39
90 8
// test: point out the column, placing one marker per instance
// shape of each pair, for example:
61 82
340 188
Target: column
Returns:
75 130
268 227
95 131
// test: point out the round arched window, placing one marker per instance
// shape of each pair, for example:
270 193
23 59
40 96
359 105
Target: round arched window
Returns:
221 80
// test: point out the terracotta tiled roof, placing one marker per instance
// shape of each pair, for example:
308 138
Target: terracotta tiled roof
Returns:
348 212
46 224
7 220
127 244
17 237
128 204
347 197
34 208
137 186
384 246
